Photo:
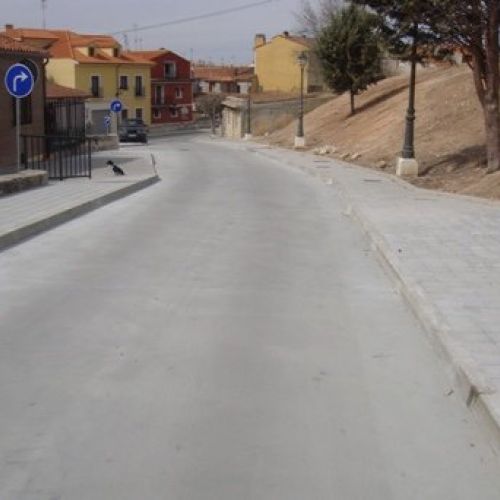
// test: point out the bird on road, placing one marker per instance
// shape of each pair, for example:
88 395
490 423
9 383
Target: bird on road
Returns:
116 169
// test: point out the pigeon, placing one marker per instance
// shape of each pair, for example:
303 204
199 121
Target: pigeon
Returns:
116 169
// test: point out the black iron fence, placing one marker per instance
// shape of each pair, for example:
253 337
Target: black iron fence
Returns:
62 157
65 117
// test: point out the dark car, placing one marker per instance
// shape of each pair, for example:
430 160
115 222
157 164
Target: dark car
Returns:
133 129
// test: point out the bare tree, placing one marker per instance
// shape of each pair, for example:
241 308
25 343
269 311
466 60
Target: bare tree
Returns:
211 105
313 17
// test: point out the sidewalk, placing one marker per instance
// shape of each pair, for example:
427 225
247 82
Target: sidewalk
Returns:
444 252
28 213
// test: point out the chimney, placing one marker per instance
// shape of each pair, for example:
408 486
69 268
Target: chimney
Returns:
259 41
9 27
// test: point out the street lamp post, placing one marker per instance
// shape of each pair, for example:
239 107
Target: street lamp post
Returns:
248 133
300 140
407 164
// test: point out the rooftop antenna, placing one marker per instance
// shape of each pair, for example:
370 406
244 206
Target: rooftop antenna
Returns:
125 41
44 14
136 37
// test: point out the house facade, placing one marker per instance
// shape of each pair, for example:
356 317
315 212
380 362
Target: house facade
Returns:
171 92
32 107
222 79
277 68
94 64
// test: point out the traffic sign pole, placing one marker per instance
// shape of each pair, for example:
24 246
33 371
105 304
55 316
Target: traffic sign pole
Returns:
19 82
18 133
116 106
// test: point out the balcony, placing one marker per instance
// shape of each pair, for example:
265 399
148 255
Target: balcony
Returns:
159 102
96 92
140 92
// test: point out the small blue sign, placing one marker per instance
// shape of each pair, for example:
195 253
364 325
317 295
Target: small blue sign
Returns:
116 106
19 81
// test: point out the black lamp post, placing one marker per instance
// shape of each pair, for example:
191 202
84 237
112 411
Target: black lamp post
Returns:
407 164
409 144
299 139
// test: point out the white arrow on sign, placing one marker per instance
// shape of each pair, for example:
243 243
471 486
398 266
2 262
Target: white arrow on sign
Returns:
22 76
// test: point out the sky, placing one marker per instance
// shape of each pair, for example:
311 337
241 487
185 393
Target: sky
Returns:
224 39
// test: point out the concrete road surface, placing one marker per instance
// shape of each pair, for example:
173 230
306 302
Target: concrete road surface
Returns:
226 334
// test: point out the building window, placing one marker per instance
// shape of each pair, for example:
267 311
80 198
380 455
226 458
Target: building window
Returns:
95 86
124 114
91 51
116 52
139 113
170 70
173 112
139 89
179 94
157 114
159 94
26 111
123 82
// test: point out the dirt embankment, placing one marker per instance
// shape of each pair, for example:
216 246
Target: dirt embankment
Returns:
449 136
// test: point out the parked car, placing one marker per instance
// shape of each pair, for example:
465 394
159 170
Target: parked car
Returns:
133 129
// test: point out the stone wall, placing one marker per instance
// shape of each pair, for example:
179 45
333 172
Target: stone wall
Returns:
265 116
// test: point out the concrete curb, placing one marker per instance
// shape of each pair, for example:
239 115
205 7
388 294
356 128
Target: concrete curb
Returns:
478 395
22 233
473 386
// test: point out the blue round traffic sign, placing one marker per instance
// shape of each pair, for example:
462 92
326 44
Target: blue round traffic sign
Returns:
116 106
19 81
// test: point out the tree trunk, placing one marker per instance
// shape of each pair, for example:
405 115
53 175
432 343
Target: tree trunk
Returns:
485 54
492 92
353 107
492 122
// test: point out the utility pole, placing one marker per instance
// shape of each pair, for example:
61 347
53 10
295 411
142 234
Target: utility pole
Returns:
44 14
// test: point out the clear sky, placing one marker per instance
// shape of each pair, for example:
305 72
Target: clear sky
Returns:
227 38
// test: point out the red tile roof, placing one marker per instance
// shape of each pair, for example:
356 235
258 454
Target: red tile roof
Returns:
223 73
301 40
150 55
64 44
55 91
7 44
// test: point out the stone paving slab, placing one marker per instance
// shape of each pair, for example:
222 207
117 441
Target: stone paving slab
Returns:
443 250
28 213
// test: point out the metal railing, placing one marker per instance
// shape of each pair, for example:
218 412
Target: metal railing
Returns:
140 91
62 157
96 92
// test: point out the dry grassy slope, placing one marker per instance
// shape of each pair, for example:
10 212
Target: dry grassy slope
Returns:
449 130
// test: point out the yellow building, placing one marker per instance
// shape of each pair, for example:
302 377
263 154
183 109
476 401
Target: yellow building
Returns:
276 66
94 64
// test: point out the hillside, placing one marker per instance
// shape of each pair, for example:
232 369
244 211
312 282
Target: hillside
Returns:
449 130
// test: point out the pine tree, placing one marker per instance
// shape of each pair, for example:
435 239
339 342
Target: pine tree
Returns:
349 50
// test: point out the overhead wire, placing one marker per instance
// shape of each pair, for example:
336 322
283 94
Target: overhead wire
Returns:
198 17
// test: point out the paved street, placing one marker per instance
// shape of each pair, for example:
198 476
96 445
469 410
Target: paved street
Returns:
225 334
